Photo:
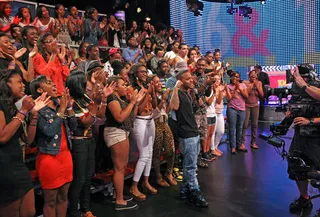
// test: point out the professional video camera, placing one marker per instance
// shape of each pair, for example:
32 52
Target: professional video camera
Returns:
300 105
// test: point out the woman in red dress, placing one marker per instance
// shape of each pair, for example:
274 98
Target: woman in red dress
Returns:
54 162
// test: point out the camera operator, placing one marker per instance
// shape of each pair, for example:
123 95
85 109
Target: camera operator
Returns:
305 144
314 92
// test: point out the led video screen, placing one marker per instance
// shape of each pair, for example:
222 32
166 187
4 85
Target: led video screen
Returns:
280 32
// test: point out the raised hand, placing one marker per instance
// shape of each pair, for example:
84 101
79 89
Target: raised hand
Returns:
27 104
54 47
19 53
178 84
165 95
140 96
64 100
201 103
62 53
95 76
109 89
228 64
297 77
151 87
133 97
16 20
34 51
41 102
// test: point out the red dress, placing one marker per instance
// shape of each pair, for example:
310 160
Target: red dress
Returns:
55 170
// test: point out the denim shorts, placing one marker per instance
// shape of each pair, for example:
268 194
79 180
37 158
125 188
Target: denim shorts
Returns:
211 120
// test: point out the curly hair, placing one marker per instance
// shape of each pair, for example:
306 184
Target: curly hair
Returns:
6 97
133 76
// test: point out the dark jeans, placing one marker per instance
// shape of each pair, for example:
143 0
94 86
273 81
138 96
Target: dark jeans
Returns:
235 125
83 156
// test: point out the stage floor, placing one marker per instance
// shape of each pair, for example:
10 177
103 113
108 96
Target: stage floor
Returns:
243 185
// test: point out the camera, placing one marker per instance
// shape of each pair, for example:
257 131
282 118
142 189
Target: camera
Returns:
300 105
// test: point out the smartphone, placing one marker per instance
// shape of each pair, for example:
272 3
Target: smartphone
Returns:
19 102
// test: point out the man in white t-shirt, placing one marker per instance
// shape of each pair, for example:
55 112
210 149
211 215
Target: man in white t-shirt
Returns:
171 55
114 54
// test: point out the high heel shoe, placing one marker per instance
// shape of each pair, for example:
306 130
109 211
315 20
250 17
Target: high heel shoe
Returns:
138 197
151 190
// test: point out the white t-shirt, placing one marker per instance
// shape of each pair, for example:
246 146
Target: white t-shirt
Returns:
108 68
211 109
170 55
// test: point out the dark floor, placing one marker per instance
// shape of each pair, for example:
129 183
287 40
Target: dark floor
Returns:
245 185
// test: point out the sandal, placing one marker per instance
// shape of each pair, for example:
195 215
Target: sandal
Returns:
151 190
138 197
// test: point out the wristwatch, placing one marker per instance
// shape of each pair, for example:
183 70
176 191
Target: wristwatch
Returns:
311 122
305 87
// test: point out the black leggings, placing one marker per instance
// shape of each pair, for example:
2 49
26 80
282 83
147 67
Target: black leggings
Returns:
83 156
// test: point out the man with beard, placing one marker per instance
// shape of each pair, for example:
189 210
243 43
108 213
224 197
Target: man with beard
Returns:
181 102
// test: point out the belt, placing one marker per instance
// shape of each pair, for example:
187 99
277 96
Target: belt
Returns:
80 137
146 119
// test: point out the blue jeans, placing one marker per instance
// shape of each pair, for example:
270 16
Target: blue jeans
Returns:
235 121
190 148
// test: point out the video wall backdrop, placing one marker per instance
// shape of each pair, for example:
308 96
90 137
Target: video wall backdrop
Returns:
279 33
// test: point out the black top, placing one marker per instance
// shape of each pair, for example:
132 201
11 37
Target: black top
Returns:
127 125
81 110
185 117
264 78
15 180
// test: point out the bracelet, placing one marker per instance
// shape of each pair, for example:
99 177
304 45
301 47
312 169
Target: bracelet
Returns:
61 115
12 64
93 115
69 109
104 104
23 113
15 117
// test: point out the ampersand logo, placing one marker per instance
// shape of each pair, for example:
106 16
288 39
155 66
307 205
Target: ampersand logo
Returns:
245 29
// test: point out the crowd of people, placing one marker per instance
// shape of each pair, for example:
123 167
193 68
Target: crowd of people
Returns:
166 94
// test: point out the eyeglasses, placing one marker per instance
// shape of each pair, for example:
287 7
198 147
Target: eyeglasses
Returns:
141 71
49 82
48 41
